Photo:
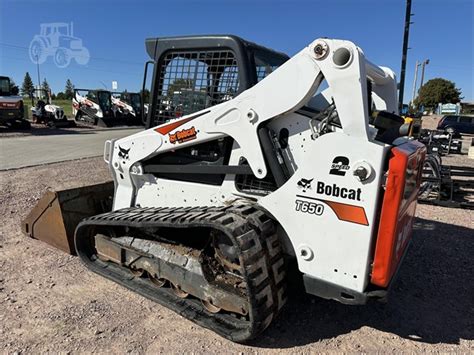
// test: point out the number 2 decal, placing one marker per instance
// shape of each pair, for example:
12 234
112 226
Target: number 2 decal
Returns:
339 166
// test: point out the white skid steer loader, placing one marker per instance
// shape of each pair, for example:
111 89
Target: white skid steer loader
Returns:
250 159
44 111
128 106
95 108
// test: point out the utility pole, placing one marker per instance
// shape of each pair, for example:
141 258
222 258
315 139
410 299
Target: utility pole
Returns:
38 72
414 83
426 62
408 15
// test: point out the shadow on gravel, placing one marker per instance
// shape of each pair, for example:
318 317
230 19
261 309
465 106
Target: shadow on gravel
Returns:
47 131
44 131
431 302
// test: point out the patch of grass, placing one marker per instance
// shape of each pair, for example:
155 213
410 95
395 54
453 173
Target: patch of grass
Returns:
66 105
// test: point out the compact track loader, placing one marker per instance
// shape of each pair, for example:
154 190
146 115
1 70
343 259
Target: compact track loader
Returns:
272 160
95 107
129 106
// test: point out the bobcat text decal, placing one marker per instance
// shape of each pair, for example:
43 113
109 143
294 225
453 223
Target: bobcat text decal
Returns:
183 135
337 191
344 211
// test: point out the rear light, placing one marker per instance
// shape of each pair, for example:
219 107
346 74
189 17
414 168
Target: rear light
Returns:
398 209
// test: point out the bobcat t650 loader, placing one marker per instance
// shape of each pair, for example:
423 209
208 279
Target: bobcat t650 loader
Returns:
272 159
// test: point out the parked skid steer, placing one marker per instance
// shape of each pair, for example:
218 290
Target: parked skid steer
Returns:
128 106
44 111
250 161
95 107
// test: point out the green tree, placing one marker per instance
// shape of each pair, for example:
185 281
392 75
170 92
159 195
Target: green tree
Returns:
45 85
27 87
14 89
61 96
69 89
437 91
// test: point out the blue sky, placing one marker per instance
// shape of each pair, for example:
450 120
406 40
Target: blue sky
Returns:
115 31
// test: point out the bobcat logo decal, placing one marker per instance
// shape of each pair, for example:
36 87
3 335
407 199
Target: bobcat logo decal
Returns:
123 153
304 184
183 135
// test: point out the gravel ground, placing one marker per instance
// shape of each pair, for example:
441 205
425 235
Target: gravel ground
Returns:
50 302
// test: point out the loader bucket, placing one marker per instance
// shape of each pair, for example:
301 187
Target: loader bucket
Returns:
54 218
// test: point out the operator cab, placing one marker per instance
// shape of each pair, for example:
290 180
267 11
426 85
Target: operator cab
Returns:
95 107
102 98
192 73
5 86
133 99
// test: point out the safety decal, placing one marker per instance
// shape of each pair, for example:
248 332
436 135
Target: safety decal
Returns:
183 136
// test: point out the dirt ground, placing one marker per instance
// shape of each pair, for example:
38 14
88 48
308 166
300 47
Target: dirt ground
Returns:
49 302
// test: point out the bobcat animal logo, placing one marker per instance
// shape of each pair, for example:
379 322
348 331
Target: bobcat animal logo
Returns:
305 184
123 153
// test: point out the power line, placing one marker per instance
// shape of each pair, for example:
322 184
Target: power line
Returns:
81 56
79 68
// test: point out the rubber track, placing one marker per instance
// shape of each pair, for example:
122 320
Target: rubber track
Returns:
251 231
